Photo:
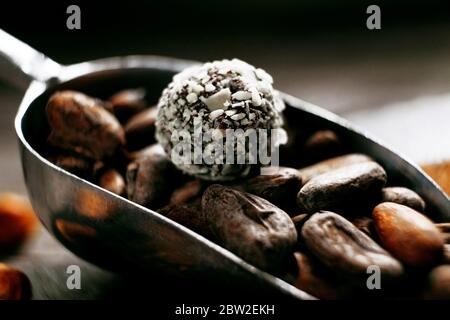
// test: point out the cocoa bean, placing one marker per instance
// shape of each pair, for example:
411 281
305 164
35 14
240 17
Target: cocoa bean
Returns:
338 244
403 196
408 235
315 280
438 286
14 284
189 215
277 185
322 144
150 180
342 188
307 173
249 226
17 221
140 129
113 181
187 192
81 124
127 103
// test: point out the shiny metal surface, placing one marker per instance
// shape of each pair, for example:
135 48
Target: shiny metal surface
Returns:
118 234
21 64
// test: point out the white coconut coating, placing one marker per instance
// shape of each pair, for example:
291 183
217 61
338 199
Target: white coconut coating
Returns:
221 95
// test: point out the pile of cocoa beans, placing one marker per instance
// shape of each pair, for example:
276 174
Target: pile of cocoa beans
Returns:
335 228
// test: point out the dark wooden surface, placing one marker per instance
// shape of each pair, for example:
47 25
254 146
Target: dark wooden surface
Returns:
398 88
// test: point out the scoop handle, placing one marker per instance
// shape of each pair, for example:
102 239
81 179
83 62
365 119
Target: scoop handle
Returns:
20 64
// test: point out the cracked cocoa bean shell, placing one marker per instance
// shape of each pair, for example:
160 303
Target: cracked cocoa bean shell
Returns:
18 221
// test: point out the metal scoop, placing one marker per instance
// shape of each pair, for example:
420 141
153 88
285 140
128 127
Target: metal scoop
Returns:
116 233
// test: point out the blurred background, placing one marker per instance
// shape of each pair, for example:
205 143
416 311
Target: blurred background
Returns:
393 82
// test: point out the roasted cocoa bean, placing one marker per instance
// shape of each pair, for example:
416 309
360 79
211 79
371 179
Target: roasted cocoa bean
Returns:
140 129
145 152
113 181
14 284
189 215
150 180
249 226
278 186
342 188
127 103
307 173
438 285
315 280
338 244
17 221
321 145
403 196
444 229
187 192
408 235
81 124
